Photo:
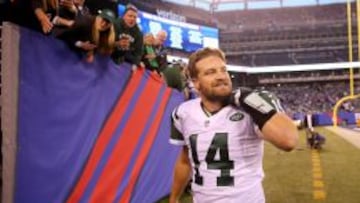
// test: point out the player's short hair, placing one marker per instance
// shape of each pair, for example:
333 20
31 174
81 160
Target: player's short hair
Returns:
201 54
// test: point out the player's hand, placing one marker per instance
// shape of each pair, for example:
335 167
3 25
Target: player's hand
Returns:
260 105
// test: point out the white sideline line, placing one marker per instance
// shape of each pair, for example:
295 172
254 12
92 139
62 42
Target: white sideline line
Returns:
349 135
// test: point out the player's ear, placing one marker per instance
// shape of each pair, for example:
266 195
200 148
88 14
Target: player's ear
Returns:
196 83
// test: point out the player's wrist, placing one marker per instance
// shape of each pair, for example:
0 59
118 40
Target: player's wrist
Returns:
173 199
261 119
256 103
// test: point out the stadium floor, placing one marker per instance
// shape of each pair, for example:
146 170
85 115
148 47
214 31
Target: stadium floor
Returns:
330 175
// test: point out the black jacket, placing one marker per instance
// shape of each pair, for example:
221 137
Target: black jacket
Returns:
134 54
80 31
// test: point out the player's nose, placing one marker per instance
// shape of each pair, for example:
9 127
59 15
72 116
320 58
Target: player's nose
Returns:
221 75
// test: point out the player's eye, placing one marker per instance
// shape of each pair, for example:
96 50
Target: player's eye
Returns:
209 72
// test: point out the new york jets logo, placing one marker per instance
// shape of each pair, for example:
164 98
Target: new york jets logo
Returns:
237 116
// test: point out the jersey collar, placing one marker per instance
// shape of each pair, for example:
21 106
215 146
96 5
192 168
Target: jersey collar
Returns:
206 112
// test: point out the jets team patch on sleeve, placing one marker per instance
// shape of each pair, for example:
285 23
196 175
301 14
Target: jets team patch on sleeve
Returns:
237 116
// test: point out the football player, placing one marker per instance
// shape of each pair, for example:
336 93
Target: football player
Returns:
222 135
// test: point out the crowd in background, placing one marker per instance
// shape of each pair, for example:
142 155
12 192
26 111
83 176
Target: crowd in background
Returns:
103 32
273 20
87 34
314 97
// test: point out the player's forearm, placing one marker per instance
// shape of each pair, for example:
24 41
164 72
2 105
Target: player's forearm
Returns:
281 131
181 179
266 112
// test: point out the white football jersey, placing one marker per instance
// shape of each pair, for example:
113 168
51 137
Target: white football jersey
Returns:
226 153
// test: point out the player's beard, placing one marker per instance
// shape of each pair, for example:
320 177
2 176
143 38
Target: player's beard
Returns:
213 95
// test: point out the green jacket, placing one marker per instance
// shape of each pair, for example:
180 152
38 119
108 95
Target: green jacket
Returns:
174 78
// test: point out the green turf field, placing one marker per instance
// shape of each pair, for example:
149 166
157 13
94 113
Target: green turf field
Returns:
289 176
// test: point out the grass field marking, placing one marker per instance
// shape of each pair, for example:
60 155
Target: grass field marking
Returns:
315 155
316 169
317 175
315 160
319 195
318 183
349 135
317 164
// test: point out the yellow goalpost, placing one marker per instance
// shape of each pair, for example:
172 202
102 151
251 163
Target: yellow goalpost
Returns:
352 96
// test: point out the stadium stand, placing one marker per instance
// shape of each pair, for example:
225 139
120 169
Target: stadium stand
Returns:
285 35
315 97
271 19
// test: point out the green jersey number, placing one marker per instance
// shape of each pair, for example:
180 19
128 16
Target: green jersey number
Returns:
224 164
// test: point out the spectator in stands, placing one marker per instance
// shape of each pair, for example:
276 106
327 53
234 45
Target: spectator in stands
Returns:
129 39
347 106
47 14
149 56
161 52
93 34
96 5
175 76
71 10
